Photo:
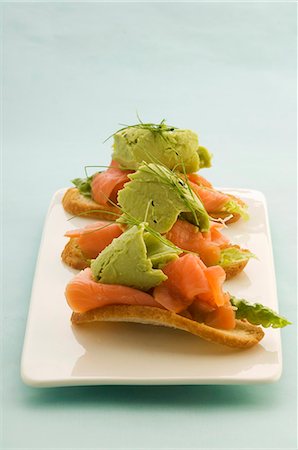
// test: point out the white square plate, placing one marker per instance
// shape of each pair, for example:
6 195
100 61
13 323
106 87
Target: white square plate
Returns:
56 353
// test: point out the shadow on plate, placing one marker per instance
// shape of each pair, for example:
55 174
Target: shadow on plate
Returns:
136 350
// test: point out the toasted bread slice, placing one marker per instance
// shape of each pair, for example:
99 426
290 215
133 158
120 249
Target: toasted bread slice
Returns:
77 204
236 267
73 256
244 335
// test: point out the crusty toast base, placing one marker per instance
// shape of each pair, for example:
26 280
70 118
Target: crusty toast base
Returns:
236 267
244 335
76 204
73 256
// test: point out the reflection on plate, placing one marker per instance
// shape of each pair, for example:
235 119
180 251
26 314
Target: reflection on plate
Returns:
58 354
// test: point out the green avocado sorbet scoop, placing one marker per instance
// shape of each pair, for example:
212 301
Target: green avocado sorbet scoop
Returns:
158 196
175 148
134 259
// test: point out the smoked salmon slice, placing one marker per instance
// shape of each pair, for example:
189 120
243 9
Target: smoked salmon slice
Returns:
194 287
105 185
94 238
216 276
208 245
217 203
190 286
222 317
185 281
216 235
83 294
190 280
212 199
198 179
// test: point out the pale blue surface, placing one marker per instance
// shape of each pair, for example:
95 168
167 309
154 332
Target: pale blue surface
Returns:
72 72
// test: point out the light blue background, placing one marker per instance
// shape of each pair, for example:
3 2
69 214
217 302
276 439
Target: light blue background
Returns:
72 72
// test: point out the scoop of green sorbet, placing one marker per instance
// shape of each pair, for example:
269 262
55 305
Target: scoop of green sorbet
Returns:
134 259
172 147
158 196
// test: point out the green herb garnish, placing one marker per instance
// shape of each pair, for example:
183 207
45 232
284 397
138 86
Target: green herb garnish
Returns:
162 182
83 185
155 128
258 314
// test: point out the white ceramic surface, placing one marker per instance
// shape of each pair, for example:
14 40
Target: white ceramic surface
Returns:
56 353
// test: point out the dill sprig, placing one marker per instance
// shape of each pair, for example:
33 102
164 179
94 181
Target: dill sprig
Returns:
130 220
147 210
171 179
100 167
91 211
186 180
98 228
155 128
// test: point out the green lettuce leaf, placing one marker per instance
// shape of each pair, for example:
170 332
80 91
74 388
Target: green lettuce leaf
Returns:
233 207
258 314
83 185
231 255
